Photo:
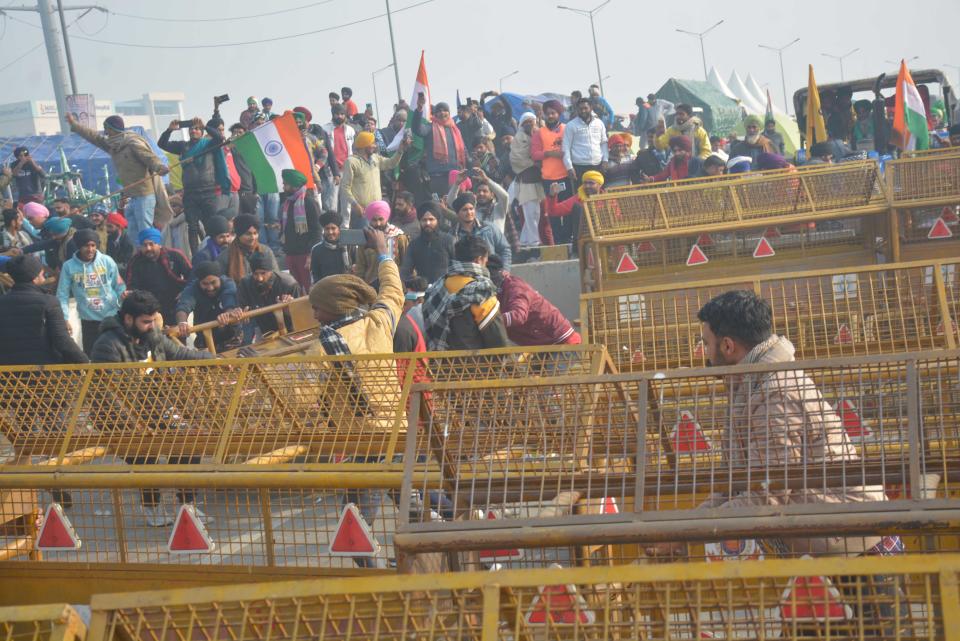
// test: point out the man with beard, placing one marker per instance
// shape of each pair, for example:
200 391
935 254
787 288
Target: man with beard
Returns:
683 164
546 147
565 214
443 147
361 176
329 257
341 137
203 171
527 188
316 148
377 214
119 246
584 143
131 336
219 237
396 125
211 296
299 224
159 270
264 286
404 214
754 143
235 260
93 280
430 253
683 125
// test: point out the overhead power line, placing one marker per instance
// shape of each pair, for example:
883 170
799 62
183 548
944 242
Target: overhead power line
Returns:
228 19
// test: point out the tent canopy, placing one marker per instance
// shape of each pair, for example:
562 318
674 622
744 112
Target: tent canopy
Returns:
82 156
720 114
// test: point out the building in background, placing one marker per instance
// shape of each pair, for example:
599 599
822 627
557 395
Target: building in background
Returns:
152 111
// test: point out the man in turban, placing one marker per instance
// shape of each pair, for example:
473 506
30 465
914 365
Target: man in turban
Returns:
264 286
682 164
119 246
160 270
754 143
377 214
361 176
299 224
565 213
210 296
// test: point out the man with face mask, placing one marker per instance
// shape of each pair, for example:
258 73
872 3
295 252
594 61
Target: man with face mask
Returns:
429 254
262 287
160 270
211 296
329 257
93 279
204 170
754 143
777 419
685 125
377 214
135 162
341 137
584 143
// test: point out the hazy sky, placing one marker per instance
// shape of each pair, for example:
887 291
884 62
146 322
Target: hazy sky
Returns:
469 46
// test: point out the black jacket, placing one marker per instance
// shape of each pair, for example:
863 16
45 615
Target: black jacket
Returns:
199 174
115 345
252 297
165 278
326 261
33 330
428 255
121 250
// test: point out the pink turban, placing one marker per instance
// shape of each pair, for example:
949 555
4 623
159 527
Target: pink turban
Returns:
452 180
36 213
377 208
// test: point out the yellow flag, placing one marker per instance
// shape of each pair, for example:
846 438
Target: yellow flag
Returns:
816 129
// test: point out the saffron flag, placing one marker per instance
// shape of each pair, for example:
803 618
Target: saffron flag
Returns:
421 85
909 115
272 147
816 128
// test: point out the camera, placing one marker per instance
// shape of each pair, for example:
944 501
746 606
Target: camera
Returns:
221 99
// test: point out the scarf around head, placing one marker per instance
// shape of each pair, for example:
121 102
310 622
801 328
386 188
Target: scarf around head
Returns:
440 306
299 211
440 151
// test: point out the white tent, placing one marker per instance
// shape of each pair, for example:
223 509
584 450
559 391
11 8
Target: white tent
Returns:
717 83
743 94
760 94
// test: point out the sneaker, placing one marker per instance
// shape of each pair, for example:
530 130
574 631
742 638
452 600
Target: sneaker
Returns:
157 516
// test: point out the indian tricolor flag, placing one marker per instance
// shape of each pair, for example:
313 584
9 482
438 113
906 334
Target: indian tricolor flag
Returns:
272 147
422 85
909 115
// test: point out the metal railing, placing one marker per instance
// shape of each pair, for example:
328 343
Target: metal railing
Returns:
53 622
875 309
830 599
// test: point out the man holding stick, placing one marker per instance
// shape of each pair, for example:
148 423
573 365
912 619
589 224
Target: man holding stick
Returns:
136 165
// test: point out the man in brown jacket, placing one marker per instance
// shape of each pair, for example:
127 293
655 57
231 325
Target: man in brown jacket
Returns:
138 168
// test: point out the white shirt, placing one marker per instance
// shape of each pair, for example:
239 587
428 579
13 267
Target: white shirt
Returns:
584 143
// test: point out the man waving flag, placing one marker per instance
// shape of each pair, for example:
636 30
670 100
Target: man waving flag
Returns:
273 147
909 116
422 85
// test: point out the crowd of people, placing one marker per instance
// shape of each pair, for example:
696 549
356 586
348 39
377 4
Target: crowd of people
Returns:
447 204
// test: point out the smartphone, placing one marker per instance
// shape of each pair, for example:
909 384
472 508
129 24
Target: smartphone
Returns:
185 124
353 237
221 99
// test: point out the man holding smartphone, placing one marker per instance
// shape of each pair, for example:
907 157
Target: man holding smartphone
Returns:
28 175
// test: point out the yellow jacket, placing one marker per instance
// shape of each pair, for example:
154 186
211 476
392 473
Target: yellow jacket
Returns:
701 141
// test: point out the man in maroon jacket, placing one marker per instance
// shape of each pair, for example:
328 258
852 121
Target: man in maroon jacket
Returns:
530 318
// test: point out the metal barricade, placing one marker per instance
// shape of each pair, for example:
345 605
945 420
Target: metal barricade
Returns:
875 309
49 622
830 599
925 195
823 457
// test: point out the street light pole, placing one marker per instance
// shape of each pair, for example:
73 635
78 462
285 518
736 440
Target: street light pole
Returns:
840 59
593 30
783 80
700 35
509 75
393 49
373 81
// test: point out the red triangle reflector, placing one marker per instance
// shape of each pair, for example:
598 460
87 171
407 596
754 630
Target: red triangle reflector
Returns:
696 256
559 605
610 505
771 232
57 532
492 556
939 230
948 215
813 598
189 535
688 436
626 264
852 423
763 249
844 335
646 247
353 536
698 350
704 240
639 358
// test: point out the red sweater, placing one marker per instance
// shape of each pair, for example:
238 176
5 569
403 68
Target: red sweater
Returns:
530 318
